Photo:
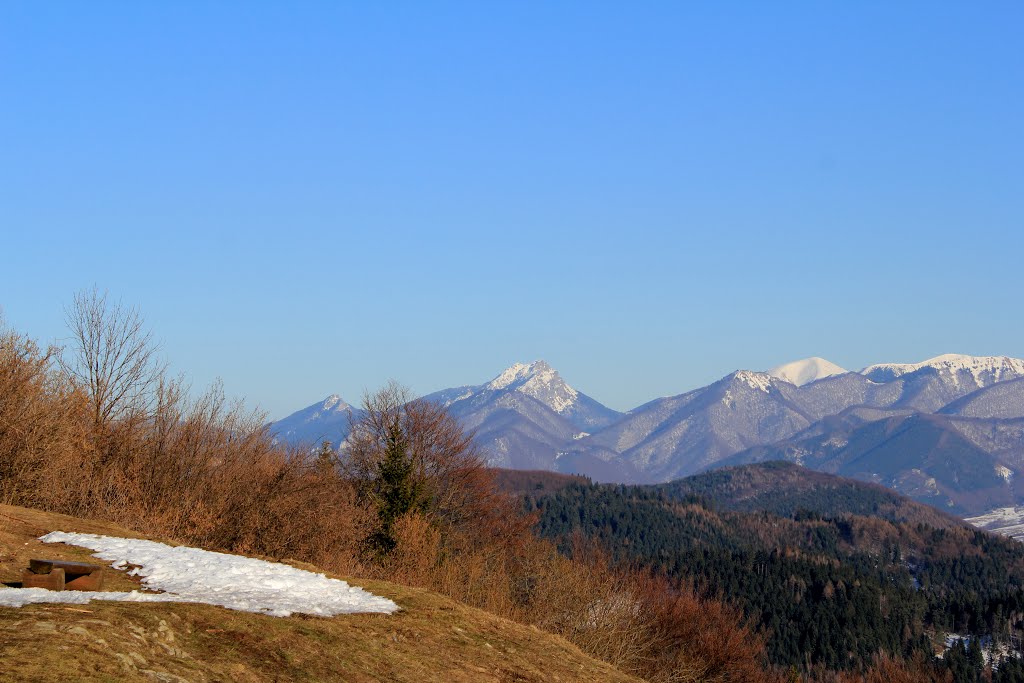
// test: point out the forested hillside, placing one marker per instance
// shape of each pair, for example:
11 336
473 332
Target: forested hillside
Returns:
834 571
784 489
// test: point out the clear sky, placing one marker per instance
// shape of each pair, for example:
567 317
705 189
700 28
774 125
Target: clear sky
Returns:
305 198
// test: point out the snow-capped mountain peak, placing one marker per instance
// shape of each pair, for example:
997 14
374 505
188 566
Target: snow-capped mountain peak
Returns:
801 372
333 403
518 372
327 419
537 380
993 368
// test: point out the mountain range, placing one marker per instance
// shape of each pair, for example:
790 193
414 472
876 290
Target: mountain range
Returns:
948 431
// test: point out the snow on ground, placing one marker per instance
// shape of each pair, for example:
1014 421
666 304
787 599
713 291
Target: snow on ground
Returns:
1008 521
993 654
186 574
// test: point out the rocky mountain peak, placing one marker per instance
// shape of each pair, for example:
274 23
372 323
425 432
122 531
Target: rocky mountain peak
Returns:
537 380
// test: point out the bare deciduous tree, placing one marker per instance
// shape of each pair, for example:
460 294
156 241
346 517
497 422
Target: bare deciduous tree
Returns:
447 476
113 356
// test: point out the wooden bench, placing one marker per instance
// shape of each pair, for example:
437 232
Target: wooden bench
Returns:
58 575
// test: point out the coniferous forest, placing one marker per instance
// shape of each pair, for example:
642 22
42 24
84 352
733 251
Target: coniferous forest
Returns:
832 571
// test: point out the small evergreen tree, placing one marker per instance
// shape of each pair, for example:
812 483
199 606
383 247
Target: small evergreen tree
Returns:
325 456
407 456
397 491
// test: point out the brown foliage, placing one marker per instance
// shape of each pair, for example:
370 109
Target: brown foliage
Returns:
519 482
447 467
42 435
205 471
643 625
885 668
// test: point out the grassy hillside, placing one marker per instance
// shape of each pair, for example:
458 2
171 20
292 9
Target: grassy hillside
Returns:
432 638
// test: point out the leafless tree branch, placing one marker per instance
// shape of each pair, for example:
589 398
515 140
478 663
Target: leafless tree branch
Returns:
113 356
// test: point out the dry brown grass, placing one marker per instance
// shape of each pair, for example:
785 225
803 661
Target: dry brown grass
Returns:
433 638
641 624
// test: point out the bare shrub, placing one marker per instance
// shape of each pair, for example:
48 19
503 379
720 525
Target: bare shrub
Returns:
417 552
885 668
113 357
42 437
447 468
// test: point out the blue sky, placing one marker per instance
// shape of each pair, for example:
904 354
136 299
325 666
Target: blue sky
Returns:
305 198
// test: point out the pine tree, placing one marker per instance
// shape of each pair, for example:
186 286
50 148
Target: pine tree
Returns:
398 491
325 458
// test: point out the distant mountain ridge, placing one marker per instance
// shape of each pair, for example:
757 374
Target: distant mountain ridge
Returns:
326 420
948 430
993 367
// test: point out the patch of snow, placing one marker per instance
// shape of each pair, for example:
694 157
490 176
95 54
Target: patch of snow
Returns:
579 436
1006 521
201 576
801 372
464 395
332 404
992 654
836 441
755 380
1005 472
515 373
335 402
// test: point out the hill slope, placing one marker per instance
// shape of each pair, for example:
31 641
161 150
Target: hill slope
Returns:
432 638
786 489
834 570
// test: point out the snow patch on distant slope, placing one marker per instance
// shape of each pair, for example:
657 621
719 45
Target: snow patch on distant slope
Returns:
202 576
755 380
1007 521
998 367
801 372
